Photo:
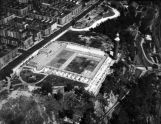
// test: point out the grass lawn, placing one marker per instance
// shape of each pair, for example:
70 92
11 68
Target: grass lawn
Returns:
30 77
79 64
96 14
91 39
61 58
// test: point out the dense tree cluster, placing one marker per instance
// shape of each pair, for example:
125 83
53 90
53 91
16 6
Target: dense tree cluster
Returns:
144 100
22 110
120 81
42 108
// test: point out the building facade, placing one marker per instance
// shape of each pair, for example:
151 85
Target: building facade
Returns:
65 17
7 54
6 18
20 9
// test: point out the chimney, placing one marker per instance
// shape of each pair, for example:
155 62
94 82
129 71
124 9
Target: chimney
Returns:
116 46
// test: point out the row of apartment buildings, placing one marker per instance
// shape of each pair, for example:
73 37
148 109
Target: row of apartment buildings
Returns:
7 54
21 25
63 12
42 22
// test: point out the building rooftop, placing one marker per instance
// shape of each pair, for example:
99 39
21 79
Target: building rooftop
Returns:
47 1
9 38
5 49
5 14
70 5
5 26
17 5
17 29
34 24
64 13
38 24
50 12
20 20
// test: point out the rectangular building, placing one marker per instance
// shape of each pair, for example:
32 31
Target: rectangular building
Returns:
10 41
19 9
65 17
7 54
72 61
6 17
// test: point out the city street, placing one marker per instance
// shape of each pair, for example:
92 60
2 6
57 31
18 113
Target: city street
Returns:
6 71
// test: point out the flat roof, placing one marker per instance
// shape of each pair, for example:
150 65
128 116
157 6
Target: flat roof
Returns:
5 15
17 5
9 38
5 26
64 13
50 12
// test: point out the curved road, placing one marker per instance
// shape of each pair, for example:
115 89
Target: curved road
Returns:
95 24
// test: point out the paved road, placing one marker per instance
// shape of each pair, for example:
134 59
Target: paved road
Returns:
149 61
6 71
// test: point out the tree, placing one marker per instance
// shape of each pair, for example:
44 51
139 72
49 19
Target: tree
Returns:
58 96
69 113
70 100
89 117
22 110
51 105
142 100
68 87
46 88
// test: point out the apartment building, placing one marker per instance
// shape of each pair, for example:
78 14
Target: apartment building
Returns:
77 10
52 2
17 36
39 26
44 14
5 17
7 54
27 42
65 17
19 9
68 10
10 41
23 23
45 29
23 1
3 29
37 35
47 17
16 32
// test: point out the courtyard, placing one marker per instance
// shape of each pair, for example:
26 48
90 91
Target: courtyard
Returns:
67 58
30 77
65 62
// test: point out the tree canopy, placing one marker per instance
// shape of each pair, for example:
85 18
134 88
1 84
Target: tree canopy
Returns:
22 110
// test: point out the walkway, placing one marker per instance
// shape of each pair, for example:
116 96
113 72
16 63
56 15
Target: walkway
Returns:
25 83
95 24
149 61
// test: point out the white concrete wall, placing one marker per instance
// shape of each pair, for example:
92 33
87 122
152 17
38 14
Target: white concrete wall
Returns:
85 49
